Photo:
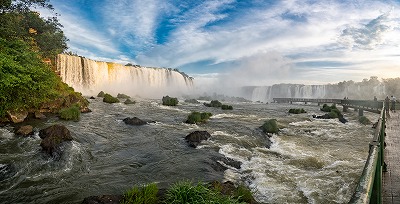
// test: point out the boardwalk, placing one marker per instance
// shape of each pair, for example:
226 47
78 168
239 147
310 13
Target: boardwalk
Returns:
391 178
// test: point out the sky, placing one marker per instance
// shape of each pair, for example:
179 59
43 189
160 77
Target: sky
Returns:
240 42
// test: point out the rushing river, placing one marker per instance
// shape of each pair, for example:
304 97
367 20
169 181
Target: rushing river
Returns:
309 161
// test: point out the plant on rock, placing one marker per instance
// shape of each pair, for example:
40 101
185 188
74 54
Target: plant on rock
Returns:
270 126
197 117
297 111
110 99
71 113
169 101
143 195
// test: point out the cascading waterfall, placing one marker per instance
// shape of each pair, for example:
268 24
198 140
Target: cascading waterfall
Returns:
267 93
90 77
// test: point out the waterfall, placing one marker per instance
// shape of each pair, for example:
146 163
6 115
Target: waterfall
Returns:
90 77
353 91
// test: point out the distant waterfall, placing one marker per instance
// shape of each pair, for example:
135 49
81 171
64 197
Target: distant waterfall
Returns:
354 91
90 77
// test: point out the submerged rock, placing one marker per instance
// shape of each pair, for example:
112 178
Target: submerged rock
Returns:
53 137
196 137
6 171
220 163
25 130
134 121
103 199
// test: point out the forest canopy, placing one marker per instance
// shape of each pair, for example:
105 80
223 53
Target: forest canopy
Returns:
26 40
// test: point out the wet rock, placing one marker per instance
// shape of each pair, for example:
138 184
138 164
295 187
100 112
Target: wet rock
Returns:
17 116
325 116
103 199
6 171
92 97
25 130
129 101
220 163
343 120
39 115
134 121
53 137
196 137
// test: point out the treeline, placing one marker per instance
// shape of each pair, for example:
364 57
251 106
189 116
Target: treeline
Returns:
26 40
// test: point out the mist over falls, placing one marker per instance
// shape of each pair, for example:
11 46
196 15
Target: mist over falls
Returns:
90 77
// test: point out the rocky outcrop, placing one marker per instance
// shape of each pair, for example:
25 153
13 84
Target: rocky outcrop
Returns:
69 100
220 163
53 137
25 130
196 137
134 121
103 199
17 116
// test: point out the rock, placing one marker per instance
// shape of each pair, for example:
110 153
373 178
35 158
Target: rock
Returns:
53 137
101 94
325 116
129 101
25 130
226 188
217 166
6 171
85 110
39 115
92 97
343 120
17 116
103 199
134 121
196 137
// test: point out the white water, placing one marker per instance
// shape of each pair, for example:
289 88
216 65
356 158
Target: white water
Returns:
90 77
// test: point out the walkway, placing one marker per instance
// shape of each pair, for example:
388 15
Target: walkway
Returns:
391 178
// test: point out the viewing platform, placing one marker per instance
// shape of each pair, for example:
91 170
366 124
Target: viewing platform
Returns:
391 178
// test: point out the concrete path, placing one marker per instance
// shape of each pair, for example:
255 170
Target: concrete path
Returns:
391 178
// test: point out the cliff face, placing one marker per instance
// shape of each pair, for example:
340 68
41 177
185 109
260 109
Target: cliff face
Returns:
90 77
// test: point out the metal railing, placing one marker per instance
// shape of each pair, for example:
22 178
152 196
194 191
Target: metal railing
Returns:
369 188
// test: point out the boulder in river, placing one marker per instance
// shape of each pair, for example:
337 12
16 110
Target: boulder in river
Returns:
134 121
17 116
196 137
53 137
25 130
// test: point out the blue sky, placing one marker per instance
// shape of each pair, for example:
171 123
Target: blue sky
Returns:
258 42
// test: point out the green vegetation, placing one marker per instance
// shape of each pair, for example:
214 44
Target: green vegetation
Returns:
243 194
364 120
110 99
333 112
270 126
217 104
119 95
169 101
141 195
297 111
71 113
26 40
213 103
101 94
186 192
197 117
226 107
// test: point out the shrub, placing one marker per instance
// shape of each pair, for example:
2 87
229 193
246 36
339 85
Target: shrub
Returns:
213 103
71 113
197 117
297 111
169 101
144 195
122 96
110 99
101 94
226 107
364 120
270 126
186 192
